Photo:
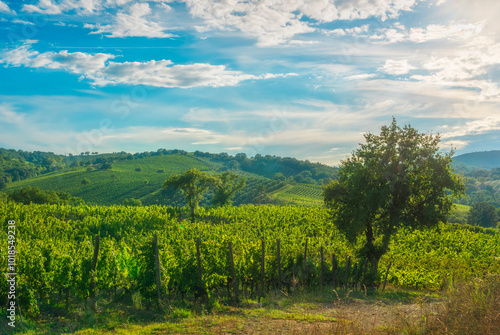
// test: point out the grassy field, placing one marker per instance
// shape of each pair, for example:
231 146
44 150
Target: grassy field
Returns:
463 309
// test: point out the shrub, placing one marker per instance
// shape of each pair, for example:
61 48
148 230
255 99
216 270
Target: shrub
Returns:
132 202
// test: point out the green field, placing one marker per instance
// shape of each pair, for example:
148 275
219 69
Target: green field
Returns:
123 181
299 194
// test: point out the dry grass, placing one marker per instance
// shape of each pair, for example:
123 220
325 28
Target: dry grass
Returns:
472 308
468 308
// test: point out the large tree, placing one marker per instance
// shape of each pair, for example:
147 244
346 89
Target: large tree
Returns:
226 186
398 178
482 214
193 183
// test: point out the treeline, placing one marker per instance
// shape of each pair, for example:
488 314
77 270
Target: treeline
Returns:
275 167
482 186
18 164
34 195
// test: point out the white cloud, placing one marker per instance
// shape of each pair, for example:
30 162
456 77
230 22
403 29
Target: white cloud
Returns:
476 127
360 76
175 136
75 62
7 115
274 22
4 8
398 32
455 144
137 22
469 67
23 22
396 68
49 7
102 71
452 32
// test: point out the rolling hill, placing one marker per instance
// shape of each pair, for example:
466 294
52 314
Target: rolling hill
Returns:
478 160
107 179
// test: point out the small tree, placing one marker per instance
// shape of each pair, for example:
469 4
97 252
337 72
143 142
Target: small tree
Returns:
398 178
482 214
193 183
226 186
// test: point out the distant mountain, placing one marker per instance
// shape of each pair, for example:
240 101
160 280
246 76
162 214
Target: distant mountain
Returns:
478 160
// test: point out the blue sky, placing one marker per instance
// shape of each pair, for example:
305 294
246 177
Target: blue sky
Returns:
297 78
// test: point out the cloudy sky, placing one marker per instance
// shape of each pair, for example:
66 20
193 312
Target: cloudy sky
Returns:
299 78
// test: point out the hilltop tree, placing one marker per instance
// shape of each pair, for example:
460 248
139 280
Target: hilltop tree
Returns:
226 186
398 178
193 183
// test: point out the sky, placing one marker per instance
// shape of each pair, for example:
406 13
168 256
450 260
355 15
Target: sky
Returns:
292 78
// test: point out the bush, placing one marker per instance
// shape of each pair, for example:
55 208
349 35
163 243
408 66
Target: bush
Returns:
85 181
138 169
132 202
27 195
482 214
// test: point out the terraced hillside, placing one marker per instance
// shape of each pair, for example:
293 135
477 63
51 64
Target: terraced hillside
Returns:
142 177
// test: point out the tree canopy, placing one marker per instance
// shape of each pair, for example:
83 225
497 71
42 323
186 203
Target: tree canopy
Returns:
193 183
482 214
226 186
398 178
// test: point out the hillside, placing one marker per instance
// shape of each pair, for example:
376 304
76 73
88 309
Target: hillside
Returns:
478 160
107 179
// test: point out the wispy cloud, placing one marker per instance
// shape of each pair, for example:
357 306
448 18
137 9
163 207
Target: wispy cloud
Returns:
396 68
4 8
136 21
476 127
101 71
277 22
8 115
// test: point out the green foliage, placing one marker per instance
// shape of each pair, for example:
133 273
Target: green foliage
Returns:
147 271
483 214
193 183
28 194
132 202
226 187
85 181
106 166
60 243
398 178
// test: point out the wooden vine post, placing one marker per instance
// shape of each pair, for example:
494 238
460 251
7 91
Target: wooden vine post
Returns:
233 273
279 263
322 267
386 273
364 273
157 266
198 257
304 264
262 269
334 270
93 273
347 271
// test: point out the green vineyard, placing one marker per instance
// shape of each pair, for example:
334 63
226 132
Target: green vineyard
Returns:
55 247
